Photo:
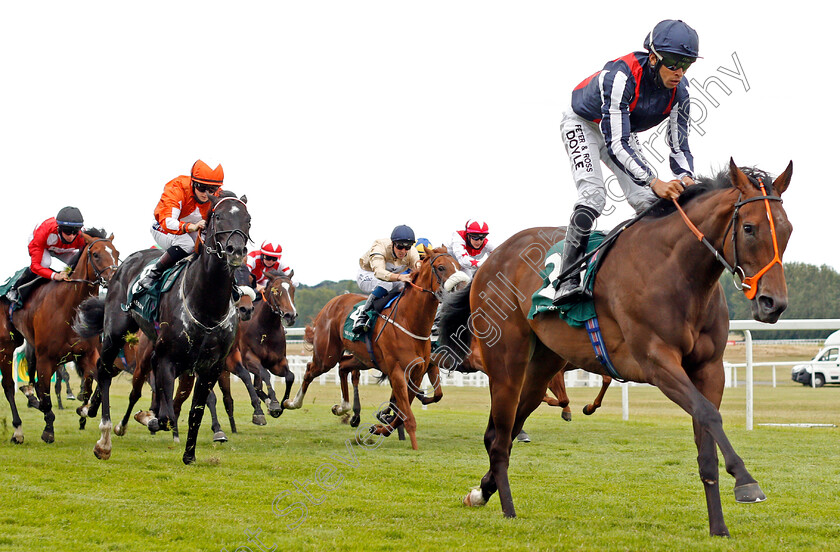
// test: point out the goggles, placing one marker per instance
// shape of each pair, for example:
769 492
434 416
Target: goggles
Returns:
403 245
206 188
673 62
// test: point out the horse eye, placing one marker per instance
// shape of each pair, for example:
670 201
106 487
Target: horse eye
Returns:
749 229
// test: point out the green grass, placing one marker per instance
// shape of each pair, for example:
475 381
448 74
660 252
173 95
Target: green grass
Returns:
597 483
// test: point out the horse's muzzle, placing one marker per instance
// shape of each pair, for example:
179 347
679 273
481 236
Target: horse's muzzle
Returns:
767 308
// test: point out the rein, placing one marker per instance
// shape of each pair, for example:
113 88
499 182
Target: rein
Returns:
748 284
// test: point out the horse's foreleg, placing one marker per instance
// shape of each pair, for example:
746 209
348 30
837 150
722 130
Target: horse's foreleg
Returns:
344 371
204 383
218 435
275 409
290 380
258 418
557 385
399 387
313 370
43 388
357 403
137 380
102 449
57 388
433 372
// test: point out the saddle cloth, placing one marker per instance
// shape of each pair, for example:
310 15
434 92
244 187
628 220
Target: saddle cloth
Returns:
146 303
575 314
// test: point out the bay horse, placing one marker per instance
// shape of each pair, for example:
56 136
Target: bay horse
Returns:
400 338
662 314
261 344
197 319
44 322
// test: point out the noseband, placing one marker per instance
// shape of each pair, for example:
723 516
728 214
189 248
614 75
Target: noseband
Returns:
437 277
747 284
99 280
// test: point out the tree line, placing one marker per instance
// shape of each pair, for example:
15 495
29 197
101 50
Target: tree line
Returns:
813 292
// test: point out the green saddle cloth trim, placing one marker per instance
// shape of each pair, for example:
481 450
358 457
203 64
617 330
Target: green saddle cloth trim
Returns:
146 303
575 314
347 329
4 289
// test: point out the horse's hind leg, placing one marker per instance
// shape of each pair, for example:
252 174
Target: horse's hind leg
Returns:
9 391
185 386
137 380
275 409
590 409
43 388
345 369
227 398
58 380
356 418
557 385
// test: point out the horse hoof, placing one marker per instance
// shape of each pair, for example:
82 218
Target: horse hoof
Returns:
176 439
82 423
153 425
189 459
275 413
258 419
588 411
101 453
71 397
749 493
120 429
355 420
220 437
32 402
16 439
523 437
48 437
474 498
566 416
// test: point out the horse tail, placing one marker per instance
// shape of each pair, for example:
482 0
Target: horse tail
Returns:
90 317
454 337
309 335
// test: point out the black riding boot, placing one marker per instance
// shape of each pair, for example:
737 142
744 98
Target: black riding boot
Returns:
571 289
164 263
24 285
362 324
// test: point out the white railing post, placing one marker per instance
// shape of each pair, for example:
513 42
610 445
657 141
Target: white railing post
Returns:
748 343
625 401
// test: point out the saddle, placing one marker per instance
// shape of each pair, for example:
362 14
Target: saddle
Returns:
146 302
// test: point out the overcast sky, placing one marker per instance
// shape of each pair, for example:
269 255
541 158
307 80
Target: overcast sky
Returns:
340 120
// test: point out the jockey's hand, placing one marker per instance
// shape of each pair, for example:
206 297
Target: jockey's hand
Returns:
687 181
60 276
260 288
196 226
404 277
667 190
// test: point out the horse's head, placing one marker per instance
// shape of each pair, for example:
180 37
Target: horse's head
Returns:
100 256
228 229
761 231
245 305
280 295
442 272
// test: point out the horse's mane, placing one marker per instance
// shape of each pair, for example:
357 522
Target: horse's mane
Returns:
706 184
96 232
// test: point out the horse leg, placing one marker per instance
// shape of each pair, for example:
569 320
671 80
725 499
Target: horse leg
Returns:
9 391
275 409
138 377
700 396
357 404
204 383
344 370
399 387
113 341
227 398
58 381
596 404
43 388
313 370
186 382
289 376
218 435
258 418
434 377
65 375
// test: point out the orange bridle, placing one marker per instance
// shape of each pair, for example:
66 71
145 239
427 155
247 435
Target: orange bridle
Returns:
748 284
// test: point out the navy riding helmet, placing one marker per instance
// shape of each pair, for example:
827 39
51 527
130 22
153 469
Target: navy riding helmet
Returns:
69 218
402 233
673 36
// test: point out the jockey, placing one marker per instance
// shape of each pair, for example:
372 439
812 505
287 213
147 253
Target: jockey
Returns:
384 268
55 237
422 245
180 215
629 95
470 246
266 258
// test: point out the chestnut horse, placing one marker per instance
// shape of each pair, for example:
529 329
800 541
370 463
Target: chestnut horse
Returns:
44 321
400 338
197 320
661 309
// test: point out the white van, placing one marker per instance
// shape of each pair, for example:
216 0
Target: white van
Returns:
825 365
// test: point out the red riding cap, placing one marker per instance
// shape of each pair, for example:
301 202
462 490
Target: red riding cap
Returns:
271 250
476 227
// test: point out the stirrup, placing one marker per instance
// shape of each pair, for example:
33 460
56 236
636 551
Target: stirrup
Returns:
362 327
566 294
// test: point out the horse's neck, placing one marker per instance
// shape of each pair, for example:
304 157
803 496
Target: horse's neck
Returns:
83 271
711 215
417 311
210 285
265 316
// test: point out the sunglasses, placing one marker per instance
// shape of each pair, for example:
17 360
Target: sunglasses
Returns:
269 259
673 62
206 188
477 236
403 246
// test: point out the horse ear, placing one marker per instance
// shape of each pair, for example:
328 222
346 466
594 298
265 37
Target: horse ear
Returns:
244 198
111 237
783 180
291 274
739 179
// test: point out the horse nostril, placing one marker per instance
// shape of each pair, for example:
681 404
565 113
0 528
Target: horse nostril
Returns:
766 302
